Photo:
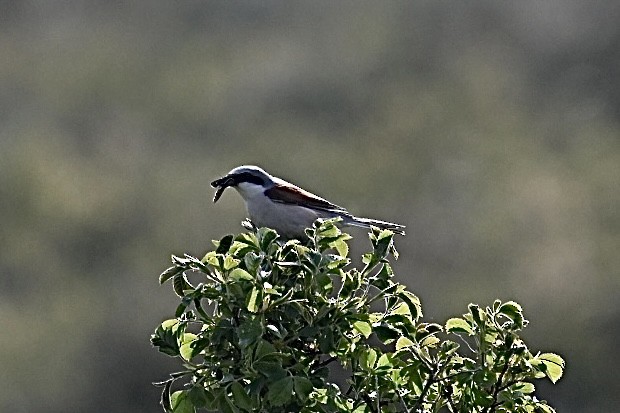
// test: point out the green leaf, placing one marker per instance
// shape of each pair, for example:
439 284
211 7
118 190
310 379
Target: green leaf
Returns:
326 340
384 361
403 342
476 313
265 237
429 341
248 239
544 408
165 394
211 258
165 337
182 307
414 373
263 349
240 397
180 284
369 259
230 262
224 244
249 332
211 397
554 365
239 274
324 281
186 350
448 348
236 293
226 405
169 324
252 261
341 246
271 369
386 333
368 358
328 230
181 403
169 273
303 388
482 398
336 262
239 249
281 391
458 325
363 327
253 300
198 396
383 243
513 311
524 387
401 309
412 300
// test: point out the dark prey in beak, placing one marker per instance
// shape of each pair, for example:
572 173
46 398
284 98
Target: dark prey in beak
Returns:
221 184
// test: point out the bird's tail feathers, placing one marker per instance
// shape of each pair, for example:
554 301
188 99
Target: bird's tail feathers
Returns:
367 223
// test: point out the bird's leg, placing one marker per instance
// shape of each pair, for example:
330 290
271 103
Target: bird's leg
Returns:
249 225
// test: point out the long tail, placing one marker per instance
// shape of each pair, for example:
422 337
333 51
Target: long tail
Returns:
367 222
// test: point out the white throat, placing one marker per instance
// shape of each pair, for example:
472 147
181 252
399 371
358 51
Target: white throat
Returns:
249 190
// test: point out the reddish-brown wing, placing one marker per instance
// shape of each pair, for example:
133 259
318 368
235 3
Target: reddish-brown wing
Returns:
291 194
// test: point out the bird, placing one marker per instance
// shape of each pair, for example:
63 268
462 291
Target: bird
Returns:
275 203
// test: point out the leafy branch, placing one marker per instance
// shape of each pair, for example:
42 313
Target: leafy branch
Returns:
261 321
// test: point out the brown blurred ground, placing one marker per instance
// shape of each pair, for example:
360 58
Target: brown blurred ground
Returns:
491 129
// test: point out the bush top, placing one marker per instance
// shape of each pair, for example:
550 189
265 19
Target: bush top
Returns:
265 320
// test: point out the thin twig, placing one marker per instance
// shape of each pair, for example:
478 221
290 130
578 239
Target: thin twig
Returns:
449 376
324 363
427 386
402 400
466 343
497 386
448 394
378 394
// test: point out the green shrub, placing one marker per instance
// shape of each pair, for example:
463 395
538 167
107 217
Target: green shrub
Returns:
266 320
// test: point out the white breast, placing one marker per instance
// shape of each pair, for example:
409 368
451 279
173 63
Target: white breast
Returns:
289 221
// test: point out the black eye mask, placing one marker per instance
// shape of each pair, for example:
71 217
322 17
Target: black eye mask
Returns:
233 180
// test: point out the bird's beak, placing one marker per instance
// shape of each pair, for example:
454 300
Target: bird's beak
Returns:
221 184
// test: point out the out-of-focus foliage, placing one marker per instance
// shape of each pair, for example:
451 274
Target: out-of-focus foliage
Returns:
266 321
489 128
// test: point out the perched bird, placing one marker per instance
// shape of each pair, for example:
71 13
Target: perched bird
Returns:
272 202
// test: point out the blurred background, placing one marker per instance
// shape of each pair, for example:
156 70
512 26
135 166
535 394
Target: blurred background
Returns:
491 129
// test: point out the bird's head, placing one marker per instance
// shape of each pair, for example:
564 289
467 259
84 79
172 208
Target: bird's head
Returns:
247 179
